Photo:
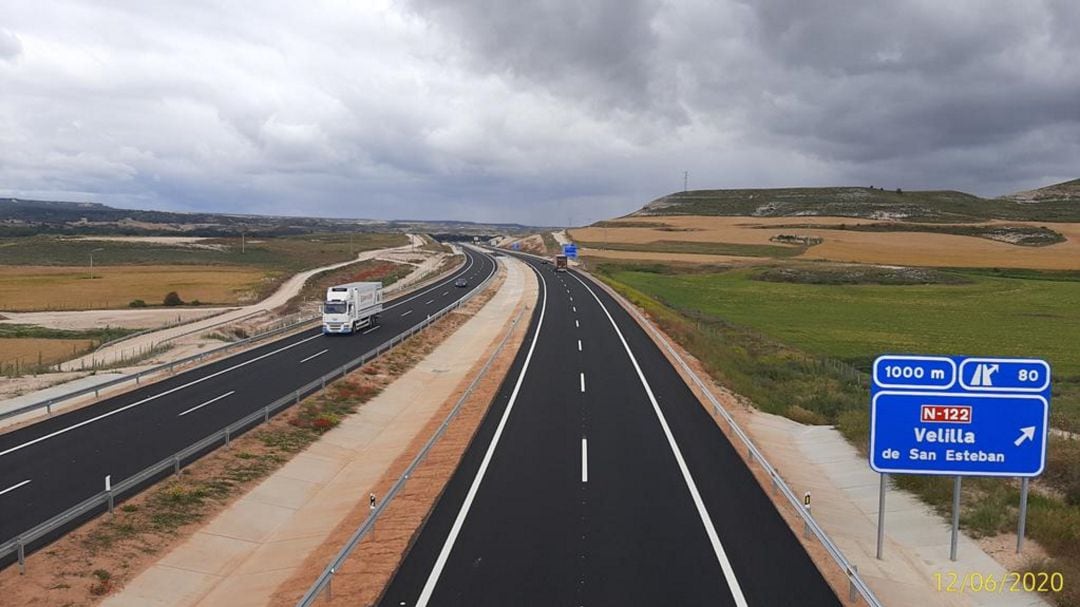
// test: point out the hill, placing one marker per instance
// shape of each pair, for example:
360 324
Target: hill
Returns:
1056 203
1068 191
19 217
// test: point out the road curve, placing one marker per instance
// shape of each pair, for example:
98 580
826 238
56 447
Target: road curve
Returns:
54 464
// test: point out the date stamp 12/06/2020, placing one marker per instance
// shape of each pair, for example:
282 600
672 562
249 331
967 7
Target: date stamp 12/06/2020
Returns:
1012 581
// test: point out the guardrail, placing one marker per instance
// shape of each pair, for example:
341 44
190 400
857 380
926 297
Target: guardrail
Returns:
176 461
857 587
137 377
325 580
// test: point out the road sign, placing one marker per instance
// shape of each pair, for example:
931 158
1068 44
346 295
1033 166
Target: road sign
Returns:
570 250
516 246
959 416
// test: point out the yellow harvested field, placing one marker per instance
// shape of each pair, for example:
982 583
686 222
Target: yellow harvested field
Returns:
26 350
69 288
653 256
900 248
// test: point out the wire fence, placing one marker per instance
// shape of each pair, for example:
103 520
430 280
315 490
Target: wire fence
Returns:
106 499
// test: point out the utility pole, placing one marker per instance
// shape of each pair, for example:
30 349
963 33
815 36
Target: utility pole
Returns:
685 180
92 262
243 242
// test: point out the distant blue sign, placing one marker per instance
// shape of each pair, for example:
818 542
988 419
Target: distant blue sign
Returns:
570 250
959 416
516 246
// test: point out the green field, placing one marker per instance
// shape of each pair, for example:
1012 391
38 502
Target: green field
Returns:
855 323
799 345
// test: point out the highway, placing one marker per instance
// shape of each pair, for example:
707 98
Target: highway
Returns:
50 466
596 478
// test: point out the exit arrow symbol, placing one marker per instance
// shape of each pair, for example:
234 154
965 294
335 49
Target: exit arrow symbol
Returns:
1025 434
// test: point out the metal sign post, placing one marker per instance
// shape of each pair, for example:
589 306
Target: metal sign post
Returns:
958 416
881 516
1023 515
955 517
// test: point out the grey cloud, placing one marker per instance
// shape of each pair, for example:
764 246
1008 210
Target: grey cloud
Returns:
595 51
10 45
533 112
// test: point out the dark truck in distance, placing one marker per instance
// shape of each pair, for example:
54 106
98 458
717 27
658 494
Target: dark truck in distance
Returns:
560 263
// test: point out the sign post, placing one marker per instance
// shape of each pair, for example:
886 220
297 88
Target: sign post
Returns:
958 416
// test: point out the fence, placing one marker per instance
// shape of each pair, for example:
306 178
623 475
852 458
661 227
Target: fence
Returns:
176 461
856 585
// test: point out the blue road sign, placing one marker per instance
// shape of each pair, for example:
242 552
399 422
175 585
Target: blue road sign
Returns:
516 246
570 250
959 416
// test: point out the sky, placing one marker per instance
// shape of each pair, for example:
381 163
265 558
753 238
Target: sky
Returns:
550 112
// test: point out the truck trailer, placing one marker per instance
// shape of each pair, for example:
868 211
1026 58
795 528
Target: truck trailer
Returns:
560 263
351 307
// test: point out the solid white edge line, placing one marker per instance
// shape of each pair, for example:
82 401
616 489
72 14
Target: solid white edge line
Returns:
14 487
583 381
584 460
706 520
211 401
154 397
448 545
316 355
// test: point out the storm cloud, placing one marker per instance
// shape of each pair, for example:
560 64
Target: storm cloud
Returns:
545 113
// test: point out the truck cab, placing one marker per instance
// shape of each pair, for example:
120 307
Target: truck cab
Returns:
351 307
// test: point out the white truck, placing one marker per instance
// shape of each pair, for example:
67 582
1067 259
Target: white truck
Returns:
351 307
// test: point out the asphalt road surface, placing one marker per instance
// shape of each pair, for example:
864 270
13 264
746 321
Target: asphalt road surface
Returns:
54 464
597 478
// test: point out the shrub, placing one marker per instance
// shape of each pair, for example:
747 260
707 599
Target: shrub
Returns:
172 298
137 303
805 416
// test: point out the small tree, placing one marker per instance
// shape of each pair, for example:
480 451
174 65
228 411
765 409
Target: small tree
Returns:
173 299
137 303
